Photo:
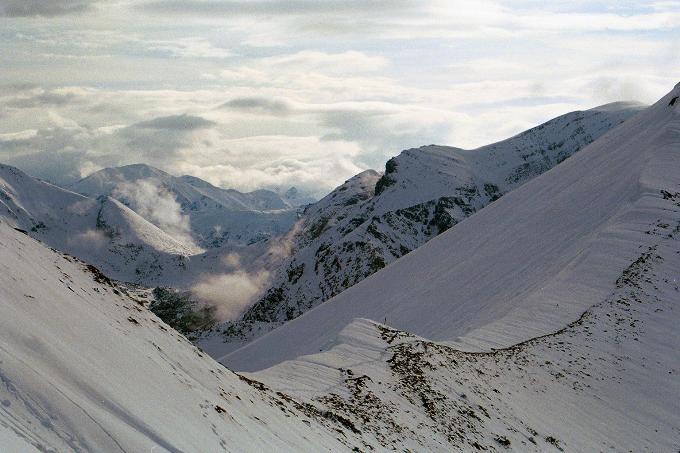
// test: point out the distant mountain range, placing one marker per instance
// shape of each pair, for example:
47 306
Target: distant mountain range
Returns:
216 216
141 225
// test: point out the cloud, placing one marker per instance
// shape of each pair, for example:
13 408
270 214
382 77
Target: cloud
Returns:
54 153
383 128
282 247
182 122
82 207
612 89
314 146
44 99
45 8
63 150
276 162
349 62
276 8
307 93
191 47
230 293
258 105
90 239
333 76
159 141
409 19
149 199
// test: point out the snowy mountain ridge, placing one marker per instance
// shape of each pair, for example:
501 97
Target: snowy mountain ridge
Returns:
543 253
372 219
70 221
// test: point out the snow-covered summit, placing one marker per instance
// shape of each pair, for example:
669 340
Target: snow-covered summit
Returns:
67 220
296 197
187 189
421 174
105 232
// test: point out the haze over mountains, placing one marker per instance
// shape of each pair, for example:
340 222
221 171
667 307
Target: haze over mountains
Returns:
535 309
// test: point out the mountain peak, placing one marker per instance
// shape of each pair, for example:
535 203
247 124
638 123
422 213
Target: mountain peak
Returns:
134 171
618 106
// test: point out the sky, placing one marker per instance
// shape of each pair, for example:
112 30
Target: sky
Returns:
254 94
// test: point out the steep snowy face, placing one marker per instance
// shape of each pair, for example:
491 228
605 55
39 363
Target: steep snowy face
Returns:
372 220
188 206
84 367
523 266
616 363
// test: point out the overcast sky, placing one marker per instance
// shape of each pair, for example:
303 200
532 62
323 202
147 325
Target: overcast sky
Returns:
266 93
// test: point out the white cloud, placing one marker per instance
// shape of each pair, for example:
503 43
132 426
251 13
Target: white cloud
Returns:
28 8
230 293
90 239
150 200
252 94
350 62
192 47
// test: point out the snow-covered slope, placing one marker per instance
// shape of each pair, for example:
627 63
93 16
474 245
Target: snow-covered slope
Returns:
519 268
214 216
84 367
354 231
545 321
